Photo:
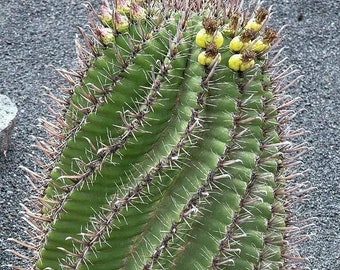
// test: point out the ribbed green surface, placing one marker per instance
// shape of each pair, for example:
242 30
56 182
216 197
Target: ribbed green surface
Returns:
166 166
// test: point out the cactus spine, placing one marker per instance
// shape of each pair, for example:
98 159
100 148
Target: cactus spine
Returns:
167 158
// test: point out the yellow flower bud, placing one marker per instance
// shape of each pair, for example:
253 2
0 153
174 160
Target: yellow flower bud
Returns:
202 58
235 62
205 59
218 39
137 12
259 46
203 38
252 24
247 65
209 34
240 43
264 42
237 45
242 62
257 22
121 22
106 35
123 7
106 16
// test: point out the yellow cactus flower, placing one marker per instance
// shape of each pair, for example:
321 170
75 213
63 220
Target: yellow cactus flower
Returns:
203 38
247 65
242 42
252 24
259 46
257 22
264 42
218 39
206 59
235 62
209 34
237 45
242 62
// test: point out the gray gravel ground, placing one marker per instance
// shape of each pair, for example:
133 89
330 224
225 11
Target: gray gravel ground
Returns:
37 34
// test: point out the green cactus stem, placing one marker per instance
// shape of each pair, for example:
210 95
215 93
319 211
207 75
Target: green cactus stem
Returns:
161 160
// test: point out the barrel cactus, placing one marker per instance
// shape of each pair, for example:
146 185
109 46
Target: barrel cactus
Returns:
171 148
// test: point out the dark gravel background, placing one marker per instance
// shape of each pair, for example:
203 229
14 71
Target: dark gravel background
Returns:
37 34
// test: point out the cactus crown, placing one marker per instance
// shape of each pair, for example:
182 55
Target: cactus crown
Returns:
161 161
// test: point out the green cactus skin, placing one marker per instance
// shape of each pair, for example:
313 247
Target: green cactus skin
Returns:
159 162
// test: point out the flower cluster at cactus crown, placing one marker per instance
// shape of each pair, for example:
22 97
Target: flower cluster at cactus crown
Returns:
170 150
248 42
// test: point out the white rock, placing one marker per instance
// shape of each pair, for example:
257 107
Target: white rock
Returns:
8 113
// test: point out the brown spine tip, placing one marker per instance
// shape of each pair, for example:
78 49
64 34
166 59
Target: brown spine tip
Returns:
234 20
248 55
269 35
261 15
210 25
211 50
248 35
